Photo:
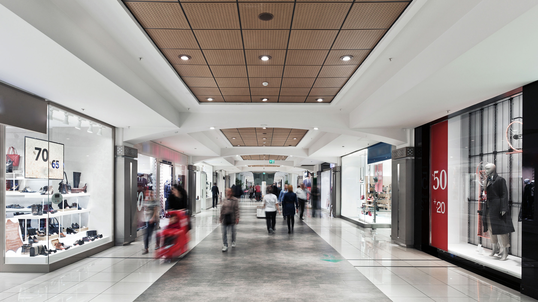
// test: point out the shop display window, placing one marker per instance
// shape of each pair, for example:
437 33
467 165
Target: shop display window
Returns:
59 189
146 183
478 186
366 189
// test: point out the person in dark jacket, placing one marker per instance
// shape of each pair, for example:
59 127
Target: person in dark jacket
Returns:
215 192
498 219
177 199
290 206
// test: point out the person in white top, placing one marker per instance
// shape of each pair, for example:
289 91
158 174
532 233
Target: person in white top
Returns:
270 204
301 196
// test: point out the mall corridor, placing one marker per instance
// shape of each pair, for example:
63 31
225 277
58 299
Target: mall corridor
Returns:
324 260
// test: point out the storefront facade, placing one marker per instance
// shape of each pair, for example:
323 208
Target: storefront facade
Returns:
477 209
58 198
367 186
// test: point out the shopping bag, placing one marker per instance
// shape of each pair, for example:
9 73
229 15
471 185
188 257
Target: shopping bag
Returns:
13 156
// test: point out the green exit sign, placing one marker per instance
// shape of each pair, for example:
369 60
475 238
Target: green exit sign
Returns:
271 161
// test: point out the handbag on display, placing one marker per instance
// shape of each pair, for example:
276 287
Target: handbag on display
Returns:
64 188
13 156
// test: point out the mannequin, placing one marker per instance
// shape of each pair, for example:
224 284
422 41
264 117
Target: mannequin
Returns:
498 220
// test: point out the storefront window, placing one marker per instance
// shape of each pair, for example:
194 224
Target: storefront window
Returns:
59 189
477 185
146 183
367 187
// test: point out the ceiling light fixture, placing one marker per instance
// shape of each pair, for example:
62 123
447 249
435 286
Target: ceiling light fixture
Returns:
265 83
264 138
100 131
266 16
79 124
90 129
233 137
346 58
319 100
185 57
264 100
294 138
66 118
265 58
316 128
212 128
210 99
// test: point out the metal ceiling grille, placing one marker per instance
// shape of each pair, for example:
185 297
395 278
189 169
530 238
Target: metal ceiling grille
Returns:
264 157
305 41
259 137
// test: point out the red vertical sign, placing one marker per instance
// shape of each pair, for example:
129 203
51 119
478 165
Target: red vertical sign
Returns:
438 183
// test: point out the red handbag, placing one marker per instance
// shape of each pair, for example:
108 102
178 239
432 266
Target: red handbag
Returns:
13 156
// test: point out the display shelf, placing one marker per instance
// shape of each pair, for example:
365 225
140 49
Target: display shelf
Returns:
37 195
57 214
17 258
511 266
19 210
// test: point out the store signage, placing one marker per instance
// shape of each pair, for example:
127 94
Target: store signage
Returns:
271 161
43 159
438 183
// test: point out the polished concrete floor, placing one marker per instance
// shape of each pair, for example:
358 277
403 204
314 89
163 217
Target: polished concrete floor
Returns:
324 260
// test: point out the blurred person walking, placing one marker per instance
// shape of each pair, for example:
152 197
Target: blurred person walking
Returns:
290 206
151 214
258 190
301 196
314 197
270 204
281 196
177 199
215 193
229 217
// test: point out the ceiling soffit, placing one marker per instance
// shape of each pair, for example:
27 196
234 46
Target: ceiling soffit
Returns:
259 137
305 41
264 157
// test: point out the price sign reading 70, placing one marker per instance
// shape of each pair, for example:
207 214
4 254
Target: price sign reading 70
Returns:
43 159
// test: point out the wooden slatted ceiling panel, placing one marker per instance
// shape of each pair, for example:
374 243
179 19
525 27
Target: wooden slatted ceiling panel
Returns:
264 157
264 166
305 40
270 137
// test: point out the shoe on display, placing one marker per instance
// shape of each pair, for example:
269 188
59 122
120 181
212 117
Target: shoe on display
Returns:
224 248
233 244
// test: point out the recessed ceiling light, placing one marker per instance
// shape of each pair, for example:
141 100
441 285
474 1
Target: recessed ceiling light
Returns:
264 138
264 142
212 128
264 100
265 83
233 137
265 58
291 155
319 100
238 145
210 99
316 128
266 16
185 57
264 128
346 58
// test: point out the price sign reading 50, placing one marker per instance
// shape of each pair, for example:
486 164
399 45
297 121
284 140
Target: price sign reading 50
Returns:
439 180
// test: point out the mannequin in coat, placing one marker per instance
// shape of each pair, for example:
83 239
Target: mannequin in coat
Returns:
499 222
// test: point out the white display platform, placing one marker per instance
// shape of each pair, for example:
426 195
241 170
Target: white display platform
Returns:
17 258
37 195
511 266
57 214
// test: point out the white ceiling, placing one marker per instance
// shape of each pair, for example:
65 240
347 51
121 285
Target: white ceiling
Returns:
440 56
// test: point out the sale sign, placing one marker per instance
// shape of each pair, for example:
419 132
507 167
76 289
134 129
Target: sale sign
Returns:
438 183
43 159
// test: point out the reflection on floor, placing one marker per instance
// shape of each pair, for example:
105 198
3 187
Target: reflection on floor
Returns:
342 255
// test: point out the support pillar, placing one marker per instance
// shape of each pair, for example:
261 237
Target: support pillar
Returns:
403 161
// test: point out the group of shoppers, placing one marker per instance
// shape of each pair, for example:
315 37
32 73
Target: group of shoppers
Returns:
177 200
290 203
